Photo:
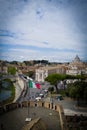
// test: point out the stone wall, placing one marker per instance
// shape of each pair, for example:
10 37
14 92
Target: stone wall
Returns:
20 82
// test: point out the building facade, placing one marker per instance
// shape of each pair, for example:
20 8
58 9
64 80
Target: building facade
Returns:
43 72
76 67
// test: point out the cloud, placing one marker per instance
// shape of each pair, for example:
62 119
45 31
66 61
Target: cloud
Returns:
22 54
26 51
56 25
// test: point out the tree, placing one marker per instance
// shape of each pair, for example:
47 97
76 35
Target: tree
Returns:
81 77
0 85
78 91
30 74
54 79
12 70
51 89
85 95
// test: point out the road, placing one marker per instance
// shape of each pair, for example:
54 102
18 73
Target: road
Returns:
68 104
32 93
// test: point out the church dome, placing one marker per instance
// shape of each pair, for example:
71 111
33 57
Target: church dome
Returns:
76 59
77 63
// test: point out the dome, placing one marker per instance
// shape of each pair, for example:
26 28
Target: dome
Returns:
77 63
77 59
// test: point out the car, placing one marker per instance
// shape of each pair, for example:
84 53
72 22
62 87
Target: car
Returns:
41 83
46 90
38 98
41 95
59 97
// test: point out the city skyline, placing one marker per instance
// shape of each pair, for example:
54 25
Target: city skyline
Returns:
53 30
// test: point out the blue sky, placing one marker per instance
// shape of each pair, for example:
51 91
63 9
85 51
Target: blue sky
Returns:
54 30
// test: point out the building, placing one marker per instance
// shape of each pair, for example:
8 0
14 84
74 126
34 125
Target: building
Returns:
4 69
76 67
43 72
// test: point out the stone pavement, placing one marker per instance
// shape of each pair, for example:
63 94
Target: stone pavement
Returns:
15 119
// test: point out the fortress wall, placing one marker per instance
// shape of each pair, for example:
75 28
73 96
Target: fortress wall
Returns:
62 117
55 107
20 82
25 104
47 104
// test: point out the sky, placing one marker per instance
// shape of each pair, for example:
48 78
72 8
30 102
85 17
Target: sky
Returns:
53 30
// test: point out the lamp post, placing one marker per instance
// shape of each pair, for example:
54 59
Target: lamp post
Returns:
28 119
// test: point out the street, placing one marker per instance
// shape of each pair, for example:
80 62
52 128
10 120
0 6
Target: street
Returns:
32 93
68 104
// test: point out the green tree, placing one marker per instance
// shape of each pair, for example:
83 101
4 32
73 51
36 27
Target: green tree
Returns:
78 91
85 95
54 79
81 77
12 70
30 74
0 85
51 89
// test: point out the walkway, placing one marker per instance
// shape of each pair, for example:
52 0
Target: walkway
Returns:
69 106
